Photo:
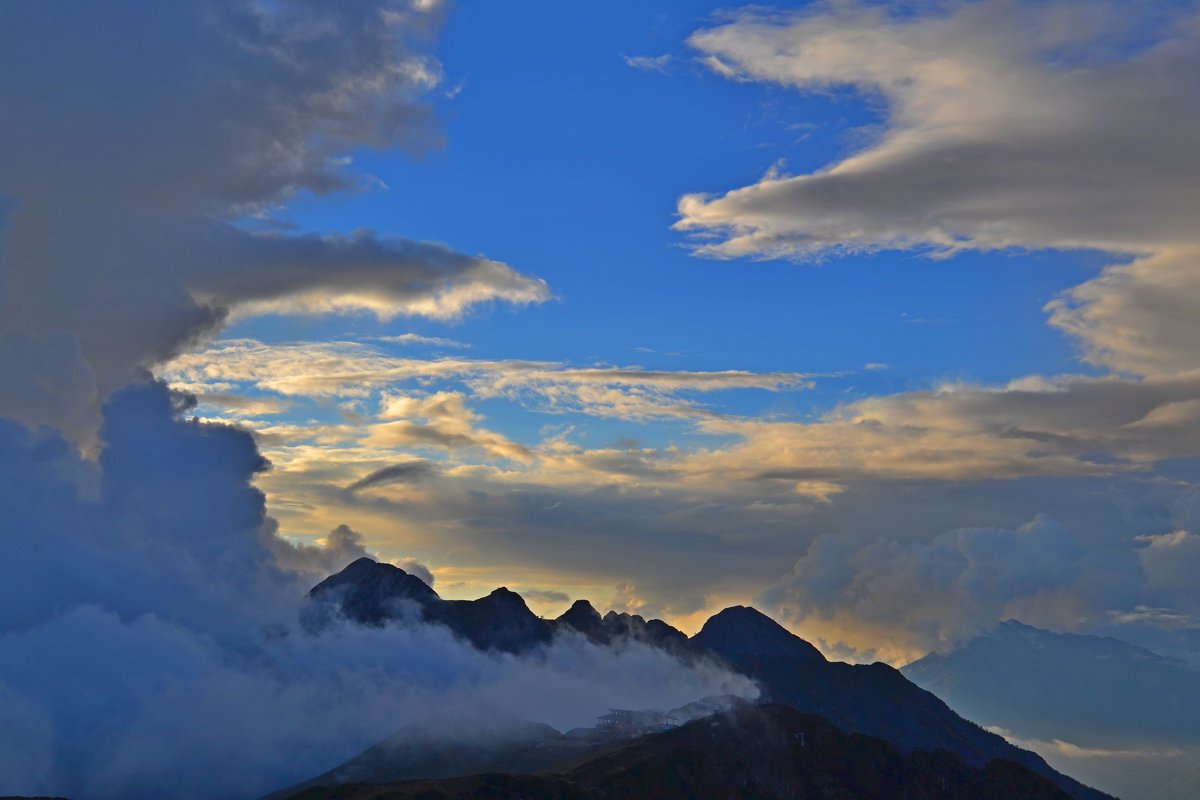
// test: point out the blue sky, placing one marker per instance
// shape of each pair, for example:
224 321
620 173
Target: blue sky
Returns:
566 162
562 160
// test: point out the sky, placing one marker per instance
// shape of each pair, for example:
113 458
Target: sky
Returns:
805 286
676 306
877 316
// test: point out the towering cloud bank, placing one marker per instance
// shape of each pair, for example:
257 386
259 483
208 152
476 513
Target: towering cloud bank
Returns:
148 610
150 645
138 161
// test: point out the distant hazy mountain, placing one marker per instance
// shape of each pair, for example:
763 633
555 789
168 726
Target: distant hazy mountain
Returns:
766 752
1092 691
875 700
1184 787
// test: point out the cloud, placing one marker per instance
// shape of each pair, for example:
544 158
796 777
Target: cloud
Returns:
242 405
660 64
1170 560
338 548
1136 318
444 422
1005 124
142 180
914 464
408 472
159 562
414 338
354 369
545 596
265 274
1064 425
416 568
891 597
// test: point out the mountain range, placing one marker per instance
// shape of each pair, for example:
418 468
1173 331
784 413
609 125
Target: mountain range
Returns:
874 701
1093 691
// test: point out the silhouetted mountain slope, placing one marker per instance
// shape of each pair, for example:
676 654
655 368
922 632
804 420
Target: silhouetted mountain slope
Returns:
764 752
453 746
371 593
740 634
875 700
1184 787
871 699
500 621
1089 690
582 617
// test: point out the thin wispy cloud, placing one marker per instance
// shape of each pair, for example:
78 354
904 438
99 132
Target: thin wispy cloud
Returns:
660 63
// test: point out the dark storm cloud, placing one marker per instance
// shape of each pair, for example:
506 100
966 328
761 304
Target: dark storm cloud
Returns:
139 141
408 472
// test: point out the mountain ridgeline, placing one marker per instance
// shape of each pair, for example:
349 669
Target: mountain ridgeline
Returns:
873 701
1094 691
371 593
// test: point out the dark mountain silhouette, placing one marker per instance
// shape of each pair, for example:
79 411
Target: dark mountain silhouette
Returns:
371 593
872 699
613 627
740 634
763 752
1183 787
875 700
1089 690
452 745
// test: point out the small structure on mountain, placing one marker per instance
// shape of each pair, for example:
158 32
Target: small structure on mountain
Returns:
621 723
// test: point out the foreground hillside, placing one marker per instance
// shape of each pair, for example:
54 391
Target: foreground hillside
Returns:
763 752
1090 690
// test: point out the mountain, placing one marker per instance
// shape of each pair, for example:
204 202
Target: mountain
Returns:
1089 690
371 593
1183 787
480 741
585 619
740 634
874 699
764 752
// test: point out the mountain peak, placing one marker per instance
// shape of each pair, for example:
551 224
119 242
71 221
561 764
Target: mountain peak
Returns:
583 617
742 632
507 598
368 590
